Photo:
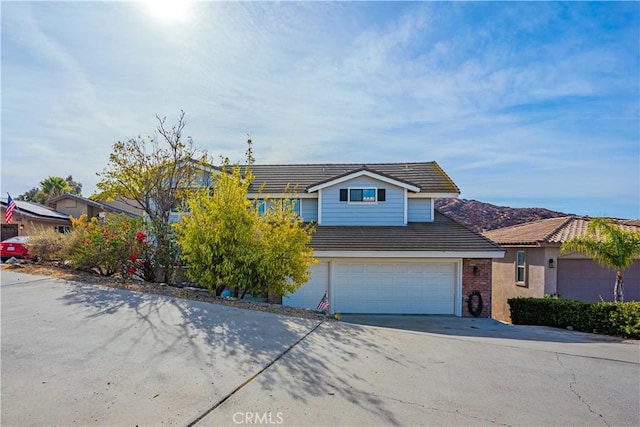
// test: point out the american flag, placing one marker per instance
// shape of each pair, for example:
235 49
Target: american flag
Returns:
323 305
11 206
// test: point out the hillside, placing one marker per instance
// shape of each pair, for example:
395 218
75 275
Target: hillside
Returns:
480 216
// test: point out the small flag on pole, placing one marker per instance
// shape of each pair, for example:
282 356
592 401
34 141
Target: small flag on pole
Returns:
323 305
11 206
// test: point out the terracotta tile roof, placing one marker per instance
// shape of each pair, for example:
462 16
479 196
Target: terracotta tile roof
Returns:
552 231
428 176
443 234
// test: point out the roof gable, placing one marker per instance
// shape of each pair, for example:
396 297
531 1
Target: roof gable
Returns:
363 171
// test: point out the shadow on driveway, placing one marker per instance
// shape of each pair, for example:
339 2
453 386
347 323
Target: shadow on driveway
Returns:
249 338
474 327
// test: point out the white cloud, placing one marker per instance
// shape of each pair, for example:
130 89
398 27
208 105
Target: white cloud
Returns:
486 96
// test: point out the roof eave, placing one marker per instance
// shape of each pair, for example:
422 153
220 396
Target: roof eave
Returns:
434 195
407 254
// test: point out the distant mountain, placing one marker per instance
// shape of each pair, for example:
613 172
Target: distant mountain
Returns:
480 216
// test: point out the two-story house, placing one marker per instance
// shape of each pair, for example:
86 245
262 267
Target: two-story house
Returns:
382 246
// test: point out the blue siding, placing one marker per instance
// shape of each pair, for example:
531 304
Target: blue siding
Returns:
309 209
389 212
203 179
420 210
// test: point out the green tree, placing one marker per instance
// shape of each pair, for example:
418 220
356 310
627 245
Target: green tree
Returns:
285 252
75 187
34 196
610 246
51 187
54 186
226 243
155 174
218 236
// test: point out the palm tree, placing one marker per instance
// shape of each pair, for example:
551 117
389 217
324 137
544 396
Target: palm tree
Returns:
610 246
54 186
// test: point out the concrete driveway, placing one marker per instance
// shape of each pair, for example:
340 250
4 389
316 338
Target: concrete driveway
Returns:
75 354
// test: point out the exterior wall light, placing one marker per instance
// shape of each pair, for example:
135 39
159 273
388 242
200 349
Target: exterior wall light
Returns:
552 263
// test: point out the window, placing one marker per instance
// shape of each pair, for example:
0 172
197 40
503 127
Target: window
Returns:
294 204
520 267
261 205
362 195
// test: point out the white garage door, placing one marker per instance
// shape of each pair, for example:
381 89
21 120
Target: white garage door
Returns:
310 294
394 287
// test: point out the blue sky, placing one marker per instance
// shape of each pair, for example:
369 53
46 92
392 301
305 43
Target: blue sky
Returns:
523 104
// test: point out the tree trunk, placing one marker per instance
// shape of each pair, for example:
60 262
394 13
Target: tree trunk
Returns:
618 288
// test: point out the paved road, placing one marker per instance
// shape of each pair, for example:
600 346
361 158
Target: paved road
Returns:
75 354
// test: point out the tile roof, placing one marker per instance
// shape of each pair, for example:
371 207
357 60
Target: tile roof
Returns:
443 234
428 176
552 231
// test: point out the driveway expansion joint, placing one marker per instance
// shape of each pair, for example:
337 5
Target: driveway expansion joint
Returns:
253 377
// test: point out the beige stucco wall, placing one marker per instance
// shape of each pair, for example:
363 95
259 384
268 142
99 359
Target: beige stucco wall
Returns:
73 207
504 278
31 226
76 208
28 226
551 274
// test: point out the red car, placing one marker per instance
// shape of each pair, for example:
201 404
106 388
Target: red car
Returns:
15 247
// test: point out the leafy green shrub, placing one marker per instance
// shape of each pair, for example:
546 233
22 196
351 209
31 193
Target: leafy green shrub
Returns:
227 244
611 318
113 245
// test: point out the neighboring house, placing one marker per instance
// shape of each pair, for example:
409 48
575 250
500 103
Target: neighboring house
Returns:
534 267
382 246
75 206
28 217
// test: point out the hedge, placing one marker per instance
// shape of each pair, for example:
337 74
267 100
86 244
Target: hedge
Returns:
610 318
